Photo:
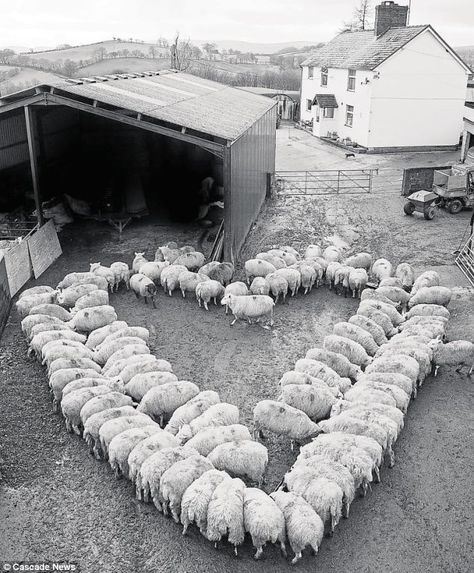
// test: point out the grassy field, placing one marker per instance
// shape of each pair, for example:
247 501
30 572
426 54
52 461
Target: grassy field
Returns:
236 68
25 78
123 65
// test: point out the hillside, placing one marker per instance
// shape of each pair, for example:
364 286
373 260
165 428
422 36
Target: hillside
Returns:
467 54
25 78
259 47
235 68
123 66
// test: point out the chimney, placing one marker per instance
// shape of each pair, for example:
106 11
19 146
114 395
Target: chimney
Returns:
388 14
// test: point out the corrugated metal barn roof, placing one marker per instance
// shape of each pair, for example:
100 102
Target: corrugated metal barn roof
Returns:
173 97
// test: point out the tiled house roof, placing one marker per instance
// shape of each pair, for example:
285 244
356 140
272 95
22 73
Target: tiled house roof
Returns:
325 100
362 50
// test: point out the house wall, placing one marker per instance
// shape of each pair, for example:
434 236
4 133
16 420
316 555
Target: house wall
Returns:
419 98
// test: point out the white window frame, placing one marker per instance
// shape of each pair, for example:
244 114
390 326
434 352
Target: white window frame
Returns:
351 80
309 104
328 112
310 72
349 115
324 77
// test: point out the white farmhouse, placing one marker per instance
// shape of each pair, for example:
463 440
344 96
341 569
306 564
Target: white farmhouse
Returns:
394 87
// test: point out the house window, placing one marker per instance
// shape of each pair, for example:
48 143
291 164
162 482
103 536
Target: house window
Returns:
351 81
328 112
310 72
309 104
324 77
349 115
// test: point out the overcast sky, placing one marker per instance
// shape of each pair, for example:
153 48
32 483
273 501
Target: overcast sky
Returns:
36 23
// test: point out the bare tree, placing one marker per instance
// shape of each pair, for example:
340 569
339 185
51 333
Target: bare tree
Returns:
209 47
163 43
181 52
362 17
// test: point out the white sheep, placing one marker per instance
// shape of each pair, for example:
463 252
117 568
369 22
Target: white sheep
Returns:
94 298
241 458
292 277
111 428
148 479
25 304
70 295
429 320
396 363
278 286
146 448
143 287
395 294
290 250
98 335
391 282
204 270
121 274
47 327
40 289
136 331
257 268
89 319
264 520
142 382
115 384
381 269
196 498
358 279
320 261
289 258
331 271
207 439
341 279
222 414
161 401
369 395
105 350
313 251
318 269
283 420
428 310
169 278
72 404
62 378
302 378
277 262
94 423
53 310
138 261
169 252
254 307
457 353
41 339
303 525
378 317
153 270
238 289
222 273
259 286
392 378
332 253
338 362
104 272
426 279
322 371
308 276
431 295
53 345
114 399
392 313
357 334
359 261
315 401
207 291
225 513
79 278
401 397
192 409
406 274
147 363
32 320
369 294
67 353
122 444
188 282
192 261
352 350
392 412
125 352
72 362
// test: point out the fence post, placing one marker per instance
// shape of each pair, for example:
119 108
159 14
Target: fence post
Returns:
306 182
371 174
338 181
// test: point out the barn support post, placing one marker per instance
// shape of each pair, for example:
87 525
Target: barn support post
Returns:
33 153
228 238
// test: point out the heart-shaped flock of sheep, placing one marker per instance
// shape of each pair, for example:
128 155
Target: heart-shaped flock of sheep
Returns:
113 391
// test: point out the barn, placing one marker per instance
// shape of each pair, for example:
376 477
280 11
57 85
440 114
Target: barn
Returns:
140 143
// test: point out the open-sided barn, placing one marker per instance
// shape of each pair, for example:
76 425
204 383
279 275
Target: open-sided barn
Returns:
153 135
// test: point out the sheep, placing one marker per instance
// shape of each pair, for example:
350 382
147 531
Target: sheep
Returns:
105 350
303 525
313 251
331 270
314 401
225 513
62 378
125 352
139 385
302 379
332 254
145 449
138 261
287 257
408 335
207 439
391 282
425 331
406 274
147 363
259 286
52 346
67 353
192 261
395 317
89 319
205 269
147 482
395 293
98 335
74 279
374 329
293 278
241 458
153 270
369 395
438 321
428 310
105 272
283 420
290 250
94 298
122 444
170 253
161 401
318 269
278 286
115 384
431 295
47 327
370 294
426 279
392 378
222 414
352 350
136 331
381 269
192 409
94 422
143 287
338 362
257 268
392 412
188 281
40 340
396 363
70 295
222 273
121 275
40 289
32 320
420 352
264 520
320 370
196 498
357 281
104 402
254 307
207 290
238 289
25 304
457 353
71 405
72 362
308 274
169 278
52 310
378 317
341 279
402 398
111 428
359 261
277 262
357 334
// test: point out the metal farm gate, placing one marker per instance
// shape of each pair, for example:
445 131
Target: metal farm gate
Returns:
465 258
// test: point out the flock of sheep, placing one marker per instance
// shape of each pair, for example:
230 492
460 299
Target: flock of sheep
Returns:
183 448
